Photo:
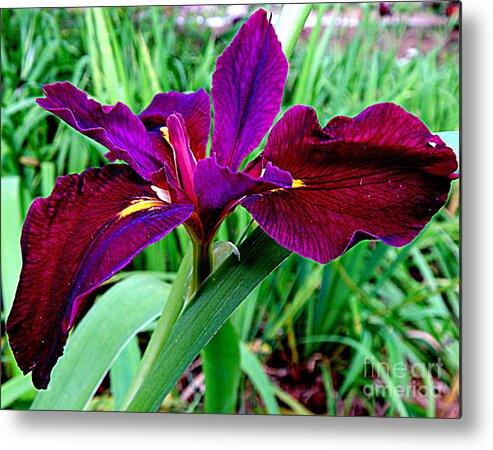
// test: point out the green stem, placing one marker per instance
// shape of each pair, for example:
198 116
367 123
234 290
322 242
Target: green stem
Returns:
221 365
221 356
171 311
202 265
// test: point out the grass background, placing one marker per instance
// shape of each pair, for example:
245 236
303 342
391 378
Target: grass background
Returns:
322 338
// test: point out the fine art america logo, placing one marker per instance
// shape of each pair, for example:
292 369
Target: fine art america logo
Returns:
400 379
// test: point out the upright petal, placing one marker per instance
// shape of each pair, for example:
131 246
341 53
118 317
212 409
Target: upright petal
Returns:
90 227
247 89
195 109
185 161
219 189
115 127
380 175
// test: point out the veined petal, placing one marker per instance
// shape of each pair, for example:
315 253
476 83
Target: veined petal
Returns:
90 227
219 189
381 175
116 127
195 109
247 89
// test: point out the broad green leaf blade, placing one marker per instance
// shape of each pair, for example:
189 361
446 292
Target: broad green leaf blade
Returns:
124 370
99 339
11 235
254 370
14 389
216 300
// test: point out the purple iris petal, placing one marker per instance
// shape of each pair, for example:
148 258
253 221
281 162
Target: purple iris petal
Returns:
218 190
115 127
381 175
90 227
247 89
185 160
161 148
195 109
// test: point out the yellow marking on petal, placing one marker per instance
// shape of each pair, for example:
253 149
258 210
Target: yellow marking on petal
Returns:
296 184
165 132
139 205
277 190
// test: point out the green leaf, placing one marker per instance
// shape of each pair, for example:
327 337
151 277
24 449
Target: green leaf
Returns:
357 366
124 370
253 368
215 301
290 25
48 176
14 389
10 240
99 339
294 404
221 367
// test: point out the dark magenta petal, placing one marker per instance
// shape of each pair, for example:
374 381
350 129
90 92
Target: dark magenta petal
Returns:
247 89
161 148
278 176
166 180
195 109
185 161
115 127
90 227
219 189
380 175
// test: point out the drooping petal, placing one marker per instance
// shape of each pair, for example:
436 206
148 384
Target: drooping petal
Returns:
219 189
380 175
90 227
195 109
115 127
247 89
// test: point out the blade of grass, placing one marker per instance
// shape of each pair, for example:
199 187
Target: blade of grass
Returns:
290 24
254 370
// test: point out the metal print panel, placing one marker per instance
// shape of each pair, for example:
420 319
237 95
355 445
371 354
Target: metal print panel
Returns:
245 209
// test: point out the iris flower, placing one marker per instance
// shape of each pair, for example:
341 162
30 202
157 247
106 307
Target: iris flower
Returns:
316 190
